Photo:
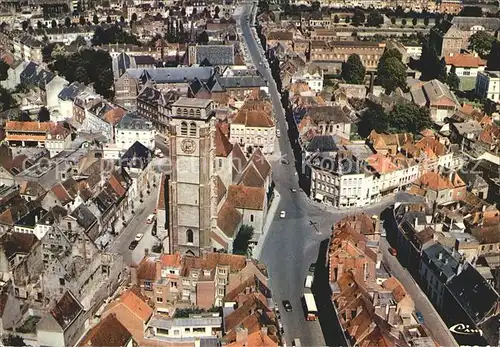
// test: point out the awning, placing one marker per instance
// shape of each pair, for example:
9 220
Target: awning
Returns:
318 196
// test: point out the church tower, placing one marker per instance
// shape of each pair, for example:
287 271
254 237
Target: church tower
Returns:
192 150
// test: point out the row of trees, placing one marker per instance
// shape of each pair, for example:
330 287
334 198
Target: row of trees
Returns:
113 34
87 66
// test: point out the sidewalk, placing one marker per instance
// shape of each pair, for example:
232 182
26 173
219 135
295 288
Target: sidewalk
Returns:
270 216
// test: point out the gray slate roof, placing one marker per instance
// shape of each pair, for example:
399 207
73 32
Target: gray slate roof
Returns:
215 54
172 74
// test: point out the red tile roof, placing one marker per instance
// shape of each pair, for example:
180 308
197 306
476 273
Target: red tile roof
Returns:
109 332
381 163
250 198
160 205
464 60
146 270
135 304
28 126
228 219
61 193
254 119
222 145
115 115
171 260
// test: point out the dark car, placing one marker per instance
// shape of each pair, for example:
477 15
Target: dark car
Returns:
312 267
287 306
133 244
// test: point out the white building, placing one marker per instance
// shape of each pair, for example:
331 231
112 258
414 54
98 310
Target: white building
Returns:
183 329
254 128
313 76
101 117
29 49
488 85
465 65
58 139
132 128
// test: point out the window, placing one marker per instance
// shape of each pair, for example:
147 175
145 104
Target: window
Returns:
161 331
184 128
187 330
251 218
62 282
190 236
192 129
159 299
220 163
199 330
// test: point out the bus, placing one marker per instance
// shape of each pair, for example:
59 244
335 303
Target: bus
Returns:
311 310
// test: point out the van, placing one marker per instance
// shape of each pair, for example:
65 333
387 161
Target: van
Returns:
309 281
151 219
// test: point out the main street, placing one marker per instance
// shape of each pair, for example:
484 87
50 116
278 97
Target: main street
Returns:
293 243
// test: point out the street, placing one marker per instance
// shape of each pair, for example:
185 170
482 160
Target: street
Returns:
293 243
137 224
432 320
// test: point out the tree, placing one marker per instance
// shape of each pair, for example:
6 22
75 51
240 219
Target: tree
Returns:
390 53
391 74
471 11
353 70
39 25
4 70
44 115
108 19
134 17
242 240
95 19
426 21
429 62
373 118
393 20
348 19
25 24
414 21
336 19
409 118
122 19
403 22
82 20
67 22
358 17
375 19
452 80
493 63
203 38
441 71
104 83
6 100
13 340
481 42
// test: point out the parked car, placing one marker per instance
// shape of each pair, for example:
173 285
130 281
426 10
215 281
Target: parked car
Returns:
133 244
294 190
278 134
420 317
282 214
312 267
393 252
287 305
285 161
138 237
151 218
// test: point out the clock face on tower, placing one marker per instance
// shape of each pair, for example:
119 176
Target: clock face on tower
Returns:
188 146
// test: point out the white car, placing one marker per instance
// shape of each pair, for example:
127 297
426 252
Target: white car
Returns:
282 214
139 237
